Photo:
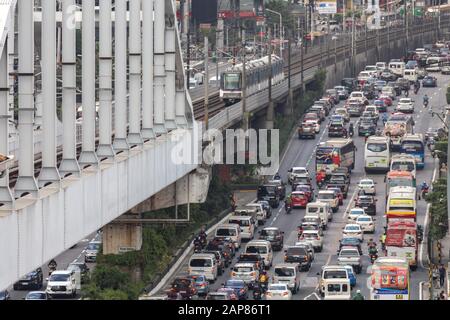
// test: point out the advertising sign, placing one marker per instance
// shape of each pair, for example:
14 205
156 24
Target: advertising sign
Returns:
326 7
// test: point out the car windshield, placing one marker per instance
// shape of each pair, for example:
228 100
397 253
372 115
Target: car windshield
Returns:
242 223
277 287
334 274
297 251
256 249
365 200
59 277
367 122
326 196
221 232
337 179
93 246
234 283
284 272
217 296
352 228
181 283
201 262
337 288
310 235
269 233
298 171
412 146
349 253
366 182
405 100
36 296
364 219
355 212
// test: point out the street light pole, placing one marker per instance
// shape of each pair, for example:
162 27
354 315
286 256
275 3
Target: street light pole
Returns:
280 32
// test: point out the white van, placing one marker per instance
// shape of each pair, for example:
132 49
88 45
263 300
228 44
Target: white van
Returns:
397 68
287 273
232 231
247 211
261 214
247 225
337 289
381 66
410 74
320 209
203 264
332 272
263 248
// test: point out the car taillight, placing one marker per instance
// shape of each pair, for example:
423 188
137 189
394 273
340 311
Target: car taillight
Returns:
269 294
233 273
285 258
285 293
253 273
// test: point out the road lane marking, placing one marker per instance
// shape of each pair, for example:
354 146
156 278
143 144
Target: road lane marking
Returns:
350 202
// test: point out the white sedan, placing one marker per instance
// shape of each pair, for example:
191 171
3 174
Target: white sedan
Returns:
405 105
366 223
353 231
368 186
297 172
354 214
278 291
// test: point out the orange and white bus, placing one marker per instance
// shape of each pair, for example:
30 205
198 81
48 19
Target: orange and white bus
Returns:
389 279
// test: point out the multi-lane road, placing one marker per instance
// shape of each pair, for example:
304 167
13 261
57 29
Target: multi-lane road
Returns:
301 153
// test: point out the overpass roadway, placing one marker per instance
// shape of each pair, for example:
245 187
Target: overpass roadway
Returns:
301 153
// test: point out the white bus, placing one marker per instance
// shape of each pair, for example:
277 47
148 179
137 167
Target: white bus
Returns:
377 154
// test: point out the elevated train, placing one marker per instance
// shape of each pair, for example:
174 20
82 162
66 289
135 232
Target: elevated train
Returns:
257 78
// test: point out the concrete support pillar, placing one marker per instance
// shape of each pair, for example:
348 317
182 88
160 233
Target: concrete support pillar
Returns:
120 81
6 197
49 173
120 237
147 70
169 87
88 155
11 56
134 43
26 183
220 35
105 149
69 163
159 63
180 102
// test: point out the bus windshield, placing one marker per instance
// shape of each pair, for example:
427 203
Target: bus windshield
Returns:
377 147
412 146
403 166
232 81
400 182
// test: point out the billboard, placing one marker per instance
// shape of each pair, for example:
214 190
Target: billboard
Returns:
326 7
401 234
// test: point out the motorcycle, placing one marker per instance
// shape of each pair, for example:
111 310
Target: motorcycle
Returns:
288 208
257 294
424 192
406 93
419 233
373 257
416 89
350 133
425 103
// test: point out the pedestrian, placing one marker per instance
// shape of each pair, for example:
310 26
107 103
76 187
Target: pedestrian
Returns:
443 169
435 273
442 273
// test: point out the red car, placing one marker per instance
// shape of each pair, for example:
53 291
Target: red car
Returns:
299 199
387 100
307 190
339 194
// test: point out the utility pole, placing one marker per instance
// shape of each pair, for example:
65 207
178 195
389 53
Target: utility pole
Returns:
270 109
290 109
244 86
188 52
353 43
406 29
302 54
206 82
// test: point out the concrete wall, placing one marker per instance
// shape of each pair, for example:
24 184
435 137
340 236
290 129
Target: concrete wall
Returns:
39 229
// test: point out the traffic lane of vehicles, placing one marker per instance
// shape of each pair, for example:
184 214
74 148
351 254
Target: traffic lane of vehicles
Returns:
76 254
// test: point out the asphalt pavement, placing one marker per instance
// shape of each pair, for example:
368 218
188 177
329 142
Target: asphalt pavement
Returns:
302 152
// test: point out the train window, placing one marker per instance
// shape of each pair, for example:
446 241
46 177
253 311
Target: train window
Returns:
232 81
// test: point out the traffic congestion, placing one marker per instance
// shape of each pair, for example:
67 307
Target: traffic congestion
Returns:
345 216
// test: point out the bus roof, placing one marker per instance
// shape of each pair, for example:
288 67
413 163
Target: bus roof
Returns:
338 142
403 156
398 173
416 136
381 139
389 261
402 189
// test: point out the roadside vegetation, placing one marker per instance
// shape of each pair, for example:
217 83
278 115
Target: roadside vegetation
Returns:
124 276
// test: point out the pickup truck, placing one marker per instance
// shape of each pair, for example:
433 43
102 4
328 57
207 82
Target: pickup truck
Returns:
339 180
306 130
350 256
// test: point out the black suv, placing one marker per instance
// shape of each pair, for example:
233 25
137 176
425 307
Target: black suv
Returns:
34 280
337 129
366 127
368 203
298 255
274 236
349 83
270 193
225 251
